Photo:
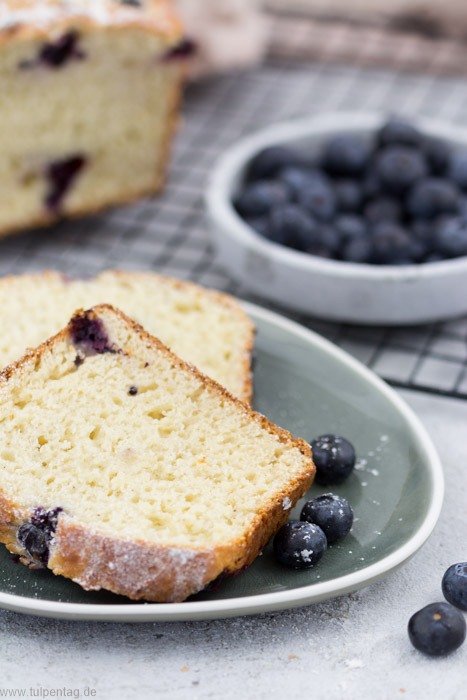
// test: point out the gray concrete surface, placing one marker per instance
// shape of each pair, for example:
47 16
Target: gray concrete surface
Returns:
353 647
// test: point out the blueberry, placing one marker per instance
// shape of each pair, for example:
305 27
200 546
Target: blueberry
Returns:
334 458
61 175
133 390
186 48
58 53
382 208
437 154
399 167
398 131
331 513
259 198
454 585
458 170
371 184
319 200
437 629
356 250
431 197
349 195
299 545
34 540
350 226
298 179
90 333
391 244
345 156
290 225
268 162
450 237
326 241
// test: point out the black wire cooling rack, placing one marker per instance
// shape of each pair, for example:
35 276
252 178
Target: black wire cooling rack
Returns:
168 234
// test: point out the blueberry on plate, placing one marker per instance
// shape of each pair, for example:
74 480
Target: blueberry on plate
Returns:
450 237
319 200
331 513
432 197
299 545
437 629
292 226
334 458
458 170
259 198
399 131
349 195
268 162
399 167
345 156
454 585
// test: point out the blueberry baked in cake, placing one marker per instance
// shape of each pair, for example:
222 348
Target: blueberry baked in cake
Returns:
89 91
155 484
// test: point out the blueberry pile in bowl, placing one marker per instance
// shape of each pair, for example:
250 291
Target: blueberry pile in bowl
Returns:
399 199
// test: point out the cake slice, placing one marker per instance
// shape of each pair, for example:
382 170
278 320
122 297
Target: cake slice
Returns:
88 103
124 468
204 327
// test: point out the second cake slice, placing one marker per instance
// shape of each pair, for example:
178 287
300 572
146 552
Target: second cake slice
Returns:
124 468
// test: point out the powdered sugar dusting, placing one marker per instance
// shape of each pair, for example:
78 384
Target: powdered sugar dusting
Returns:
286 503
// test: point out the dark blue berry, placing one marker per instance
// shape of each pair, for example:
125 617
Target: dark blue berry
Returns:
371 184
36 534
259 198
319 200
450 237
345 156
454 585
350 226
56 54
334 458
382 209
298 179
185 49
133 390
437 154
399 167
391 244
291 226
331 513
432 197
349 195
61 175
299 545
437 630
356 250
268 162
458 170
398 131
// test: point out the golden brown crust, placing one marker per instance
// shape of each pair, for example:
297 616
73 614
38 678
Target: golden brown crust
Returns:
143 570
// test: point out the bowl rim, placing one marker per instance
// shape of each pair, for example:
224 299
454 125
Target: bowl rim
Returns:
230 165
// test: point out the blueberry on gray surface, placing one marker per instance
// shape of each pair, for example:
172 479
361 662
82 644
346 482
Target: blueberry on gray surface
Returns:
433 197
334 458
331 513
398 131
400 167
299 545
450 237
260 197
292 226
36 534
345 156
268 162
454 585
437 629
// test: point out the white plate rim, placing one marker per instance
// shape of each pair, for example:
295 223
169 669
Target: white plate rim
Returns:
267 602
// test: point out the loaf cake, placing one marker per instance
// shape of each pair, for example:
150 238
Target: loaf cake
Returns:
157 481
204 327
88 103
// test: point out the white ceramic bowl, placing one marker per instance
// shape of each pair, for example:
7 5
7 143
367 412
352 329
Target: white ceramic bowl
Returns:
330 289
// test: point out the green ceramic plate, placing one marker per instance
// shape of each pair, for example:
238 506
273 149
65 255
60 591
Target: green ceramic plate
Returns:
305 384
